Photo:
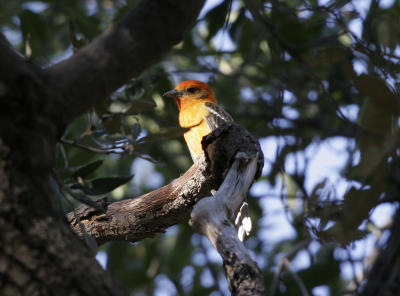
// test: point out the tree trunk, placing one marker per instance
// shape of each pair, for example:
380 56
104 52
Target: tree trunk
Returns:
39 253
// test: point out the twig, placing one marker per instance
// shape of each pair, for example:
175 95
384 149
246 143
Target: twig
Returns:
296 277
276 278
126 149
283 261
92 149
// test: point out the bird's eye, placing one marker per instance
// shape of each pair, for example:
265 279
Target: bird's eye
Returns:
192 90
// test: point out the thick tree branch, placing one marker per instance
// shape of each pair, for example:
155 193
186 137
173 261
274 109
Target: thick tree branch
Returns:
211 217
120 53
146 215
12 65
229 148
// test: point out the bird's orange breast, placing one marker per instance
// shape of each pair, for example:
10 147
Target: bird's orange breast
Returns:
192 116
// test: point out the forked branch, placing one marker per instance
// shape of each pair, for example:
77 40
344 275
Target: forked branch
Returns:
232 157
212 216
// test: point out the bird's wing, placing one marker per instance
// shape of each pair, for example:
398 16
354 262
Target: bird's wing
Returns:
216 116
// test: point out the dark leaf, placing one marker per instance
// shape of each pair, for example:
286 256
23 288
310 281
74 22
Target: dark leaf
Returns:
77 43
89 240
169 134
86 200
216 18
112 124
101 185
140 106
86 170
136 130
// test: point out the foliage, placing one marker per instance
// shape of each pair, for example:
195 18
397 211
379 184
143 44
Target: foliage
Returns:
298 74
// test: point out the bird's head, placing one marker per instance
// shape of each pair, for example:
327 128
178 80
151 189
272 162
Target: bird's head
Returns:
190 91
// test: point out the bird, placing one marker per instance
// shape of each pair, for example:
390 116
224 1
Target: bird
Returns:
200 114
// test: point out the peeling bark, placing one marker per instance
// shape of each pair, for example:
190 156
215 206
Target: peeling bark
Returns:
151 213
212 217
144 216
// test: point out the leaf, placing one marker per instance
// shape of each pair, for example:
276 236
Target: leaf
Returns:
216 18
136 130
169 134
246 36
315 195
101 185
331 54
140 106
32 23
86 200
388 30
356 208
102 108
89 240
376 88
112 124
76 43
87 25
86 170
291 188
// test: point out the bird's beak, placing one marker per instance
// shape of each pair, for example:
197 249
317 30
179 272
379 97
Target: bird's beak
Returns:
173 94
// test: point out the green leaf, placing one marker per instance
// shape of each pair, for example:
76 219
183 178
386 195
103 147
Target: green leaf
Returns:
291 188
315 195
136 130
246 35
169 134
388 30
89 240
140 106
86 170
112 124
86 200
75 41
101 185
377 89
216 18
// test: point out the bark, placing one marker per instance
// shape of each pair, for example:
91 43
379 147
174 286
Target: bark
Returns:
212 217
39 254
144 216
122 52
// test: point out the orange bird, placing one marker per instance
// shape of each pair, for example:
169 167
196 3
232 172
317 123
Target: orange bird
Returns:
198 111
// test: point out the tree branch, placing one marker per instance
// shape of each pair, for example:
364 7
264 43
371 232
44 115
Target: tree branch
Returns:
211 217
144 216
120 53
11 65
